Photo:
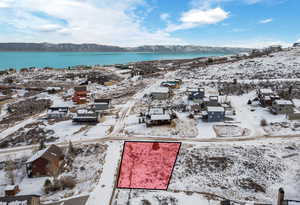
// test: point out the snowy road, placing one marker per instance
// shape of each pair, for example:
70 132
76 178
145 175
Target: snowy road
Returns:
104 190
159 138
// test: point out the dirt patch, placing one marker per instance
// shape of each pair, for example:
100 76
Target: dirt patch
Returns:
30 134
23 109
252 185
230 131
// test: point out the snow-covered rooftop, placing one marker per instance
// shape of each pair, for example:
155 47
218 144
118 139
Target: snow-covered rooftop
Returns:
215 109
283 102
160 90
156 111
266 91
161 117
10 187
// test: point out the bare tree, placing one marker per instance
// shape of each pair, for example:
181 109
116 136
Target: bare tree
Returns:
10 168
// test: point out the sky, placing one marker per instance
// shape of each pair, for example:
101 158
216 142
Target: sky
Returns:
235 23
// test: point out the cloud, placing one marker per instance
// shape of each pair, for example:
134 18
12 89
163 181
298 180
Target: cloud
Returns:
204 17
265 21
165 16
49 28
80 21
239 30
198 17
5 3
253 1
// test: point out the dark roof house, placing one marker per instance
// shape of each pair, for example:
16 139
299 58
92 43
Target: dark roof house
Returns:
101 104
86 116
57 112
214 114
45 162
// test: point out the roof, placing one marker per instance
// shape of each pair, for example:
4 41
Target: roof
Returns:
107 101
283 102
215 109
54 88
266 91
169 82
81 88
213 98
160 90
50 153
161 117
10 187
192 90
84 111
57 110
156 111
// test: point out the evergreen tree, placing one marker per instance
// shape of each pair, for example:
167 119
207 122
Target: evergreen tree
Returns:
42 145
71 149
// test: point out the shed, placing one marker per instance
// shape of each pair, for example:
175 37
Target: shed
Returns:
282 107
45 162
11 190
215 114
20 200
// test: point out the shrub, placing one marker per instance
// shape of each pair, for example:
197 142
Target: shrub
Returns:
67 182
263 123
47 186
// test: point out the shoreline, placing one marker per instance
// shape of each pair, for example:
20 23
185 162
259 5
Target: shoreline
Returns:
201 56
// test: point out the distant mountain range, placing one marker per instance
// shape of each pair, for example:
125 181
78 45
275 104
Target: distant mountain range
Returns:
68 47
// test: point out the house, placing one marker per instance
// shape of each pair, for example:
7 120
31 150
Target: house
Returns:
80 95
274 48
11 190
20 200
266 97
282 107
160 93
171 84
294 115
213 101
157 116
45 162
195 93
214 114
296 44
57 112
101 104
86 116
53 90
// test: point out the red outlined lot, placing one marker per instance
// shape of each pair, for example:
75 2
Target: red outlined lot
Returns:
147 165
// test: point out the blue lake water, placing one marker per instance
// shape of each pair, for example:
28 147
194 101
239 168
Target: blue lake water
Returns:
64 59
